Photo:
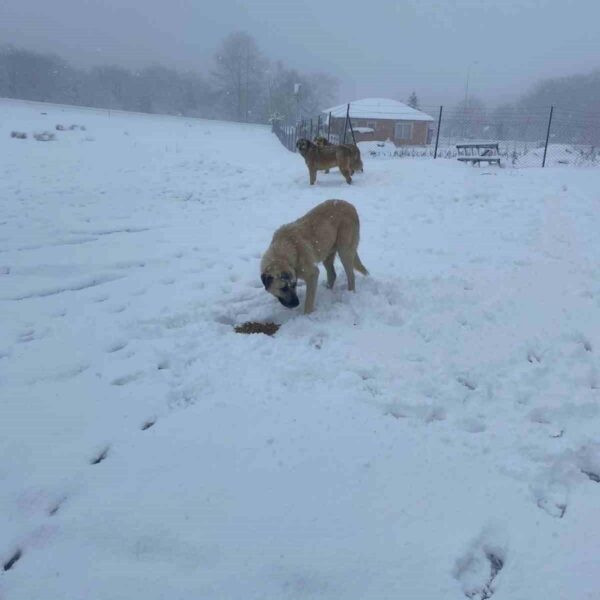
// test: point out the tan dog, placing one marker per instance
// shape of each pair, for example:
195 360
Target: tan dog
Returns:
297 247
320 158
356 164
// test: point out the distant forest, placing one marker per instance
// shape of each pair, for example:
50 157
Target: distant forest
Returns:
576 113
243 85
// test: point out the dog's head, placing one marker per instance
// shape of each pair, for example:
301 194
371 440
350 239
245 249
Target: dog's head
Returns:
303 145
282 284
321 141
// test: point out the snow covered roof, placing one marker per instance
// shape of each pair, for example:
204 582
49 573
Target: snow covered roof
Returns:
379 108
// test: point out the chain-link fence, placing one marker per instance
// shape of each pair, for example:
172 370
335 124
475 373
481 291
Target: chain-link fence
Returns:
306 128
533 137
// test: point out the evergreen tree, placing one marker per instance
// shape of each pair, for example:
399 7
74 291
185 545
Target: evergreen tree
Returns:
413 101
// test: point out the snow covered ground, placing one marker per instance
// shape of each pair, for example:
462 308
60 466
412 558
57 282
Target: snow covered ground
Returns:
434 435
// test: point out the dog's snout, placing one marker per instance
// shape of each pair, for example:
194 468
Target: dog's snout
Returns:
290 301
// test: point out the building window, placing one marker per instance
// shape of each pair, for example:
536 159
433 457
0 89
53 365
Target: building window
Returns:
403 131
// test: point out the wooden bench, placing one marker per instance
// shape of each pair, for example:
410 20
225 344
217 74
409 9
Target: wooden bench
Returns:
478 153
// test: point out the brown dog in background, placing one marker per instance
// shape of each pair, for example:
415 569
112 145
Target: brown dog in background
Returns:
320 158
356 163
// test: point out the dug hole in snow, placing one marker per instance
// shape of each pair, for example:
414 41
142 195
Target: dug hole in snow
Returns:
433 435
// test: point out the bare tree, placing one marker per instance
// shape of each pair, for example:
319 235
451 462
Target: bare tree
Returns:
315 92
114 87
239 76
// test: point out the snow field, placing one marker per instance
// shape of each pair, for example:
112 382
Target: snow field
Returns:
434 434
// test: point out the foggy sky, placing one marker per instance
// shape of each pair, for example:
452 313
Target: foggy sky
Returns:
376 48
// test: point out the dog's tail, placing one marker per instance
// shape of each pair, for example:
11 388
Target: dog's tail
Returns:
358 266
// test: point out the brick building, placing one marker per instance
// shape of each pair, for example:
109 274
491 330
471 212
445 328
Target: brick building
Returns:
381 119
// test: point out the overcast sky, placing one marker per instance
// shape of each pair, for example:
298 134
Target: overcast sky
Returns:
376 48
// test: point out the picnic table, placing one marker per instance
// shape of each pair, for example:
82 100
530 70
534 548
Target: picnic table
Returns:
478 153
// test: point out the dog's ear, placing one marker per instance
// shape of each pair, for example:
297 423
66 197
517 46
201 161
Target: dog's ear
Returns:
267 280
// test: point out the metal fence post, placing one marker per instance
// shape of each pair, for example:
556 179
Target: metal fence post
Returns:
311 130
437 135
351 130
328 127
318 126
547 136
346 122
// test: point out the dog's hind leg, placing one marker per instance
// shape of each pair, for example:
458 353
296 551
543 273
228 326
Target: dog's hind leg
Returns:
331 275
347 256
346 173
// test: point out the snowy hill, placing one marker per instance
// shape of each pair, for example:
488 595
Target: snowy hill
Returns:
434 435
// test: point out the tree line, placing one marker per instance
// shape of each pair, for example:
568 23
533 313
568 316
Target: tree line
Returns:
243 85
576 114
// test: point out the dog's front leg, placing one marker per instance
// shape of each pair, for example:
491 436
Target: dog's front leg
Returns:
311 290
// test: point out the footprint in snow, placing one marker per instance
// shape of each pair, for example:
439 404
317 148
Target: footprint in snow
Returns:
554 509
26 336
472 425
125 379
116 346
14 558
117 309
100 456
478 568
595 477
54 508
468 383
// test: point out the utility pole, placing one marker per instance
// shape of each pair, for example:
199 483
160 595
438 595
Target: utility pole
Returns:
297 95
467 96
247 76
